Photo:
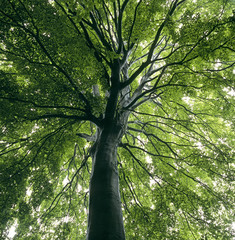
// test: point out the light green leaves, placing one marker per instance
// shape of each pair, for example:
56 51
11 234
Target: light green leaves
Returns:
176 158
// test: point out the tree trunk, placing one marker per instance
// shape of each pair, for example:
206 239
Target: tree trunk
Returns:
105 220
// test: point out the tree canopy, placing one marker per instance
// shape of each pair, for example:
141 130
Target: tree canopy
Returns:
166 67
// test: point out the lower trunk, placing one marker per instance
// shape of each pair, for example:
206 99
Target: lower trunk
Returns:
105 221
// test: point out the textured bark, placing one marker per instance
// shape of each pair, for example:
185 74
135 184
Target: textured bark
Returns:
105 221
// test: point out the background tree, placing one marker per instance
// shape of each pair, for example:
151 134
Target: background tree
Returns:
89 87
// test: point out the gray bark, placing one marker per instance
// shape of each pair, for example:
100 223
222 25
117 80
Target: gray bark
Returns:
105 220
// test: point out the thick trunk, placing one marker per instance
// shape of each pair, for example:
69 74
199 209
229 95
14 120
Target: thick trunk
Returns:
105 221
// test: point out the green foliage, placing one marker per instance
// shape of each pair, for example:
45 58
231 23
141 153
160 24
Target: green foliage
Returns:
176 157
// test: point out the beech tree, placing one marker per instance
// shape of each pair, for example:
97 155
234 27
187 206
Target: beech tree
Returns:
117 113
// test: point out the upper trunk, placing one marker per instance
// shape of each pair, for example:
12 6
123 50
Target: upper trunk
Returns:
105 221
